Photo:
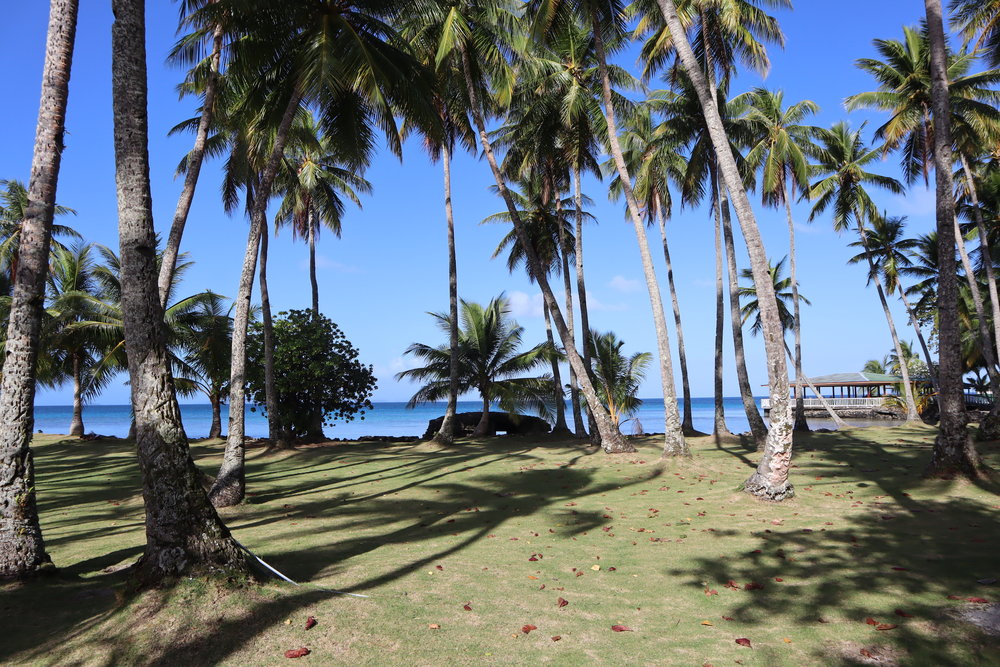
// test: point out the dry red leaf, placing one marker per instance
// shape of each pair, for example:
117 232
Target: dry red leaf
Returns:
977 600
900 612
621 628
871 621
467 607
562 602
743 641
300 652
310 622
711 591
434 626
955 597
886 626
901 569
556 638
868 654
528 628
439 567
753 586
727 618
778 579
579 573
732 584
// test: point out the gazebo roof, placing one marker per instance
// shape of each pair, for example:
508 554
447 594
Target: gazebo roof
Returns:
856 378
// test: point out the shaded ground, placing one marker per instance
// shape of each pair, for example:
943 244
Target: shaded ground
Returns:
509 526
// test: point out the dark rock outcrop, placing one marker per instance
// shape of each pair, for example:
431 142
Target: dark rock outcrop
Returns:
465 424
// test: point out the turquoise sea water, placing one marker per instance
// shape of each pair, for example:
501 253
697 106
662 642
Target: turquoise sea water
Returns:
388 418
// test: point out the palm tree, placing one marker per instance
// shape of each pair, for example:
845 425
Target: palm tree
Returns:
312 184
880 367
777 151
490 362
13 212
478 37
842 158
183 531
771 478
205 334
618 376
953 449
22 550
979 20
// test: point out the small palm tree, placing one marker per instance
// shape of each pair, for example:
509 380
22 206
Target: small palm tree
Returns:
490 362
13 209
617 375
782 290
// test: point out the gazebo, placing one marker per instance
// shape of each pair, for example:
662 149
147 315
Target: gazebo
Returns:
857 392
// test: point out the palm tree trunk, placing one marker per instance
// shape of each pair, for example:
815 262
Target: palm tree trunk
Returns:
275 431
193 170
215 431
719 428
183 532
771 478
687 423
757 426
674 443
581 294
312 264
558 397
920 337
446 434
611 439
230 484
22 550
76 423
800 378
911 406
800 408
953 451
574 390
483 427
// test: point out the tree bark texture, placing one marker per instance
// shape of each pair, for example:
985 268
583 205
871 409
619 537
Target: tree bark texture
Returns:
275 430
581 293
230 485
183 531
76 423
800 407
558 397
194 162
612 440
687 422
574 389
446 434
719 428
953 451
313 282
216 429
674 442
22 550
770 481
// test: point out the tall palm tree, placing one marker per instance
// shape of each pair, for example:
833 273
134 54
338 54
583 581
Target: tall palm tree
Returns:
490 362
205 334
953 449
771 477
618 376
13 212
313 184
841 160
979 20
777 151
606 21
183 531
22 550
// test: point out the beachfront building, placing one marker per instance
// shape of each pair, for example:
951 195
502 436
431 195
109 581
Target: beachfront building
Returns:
857 394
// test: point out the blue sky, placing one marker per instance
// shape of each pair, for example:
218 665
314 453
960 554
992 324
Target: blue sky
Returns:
389 269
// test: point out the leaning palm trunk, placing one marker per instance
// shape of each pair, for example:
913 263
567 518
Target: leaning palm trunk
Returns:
313 282
674 443
22 550
581 292
719 429
76 423
757 426
800 378
558 397
687 423
230 485
953 449
193 170
920 337
446 434
574 390
800 408
215 431
275 433
183 531
771 478
911 406
611 438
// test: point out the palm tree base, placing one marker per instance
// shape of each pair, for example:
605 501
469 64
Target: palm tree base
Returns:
758 486
955 457
442 439
989 427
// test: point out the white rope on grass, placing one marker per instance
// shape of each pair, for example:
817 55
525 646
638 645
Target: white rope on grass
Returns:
272 569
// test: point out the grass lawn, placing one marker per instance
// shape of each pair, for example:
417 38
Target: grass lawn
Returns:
461 550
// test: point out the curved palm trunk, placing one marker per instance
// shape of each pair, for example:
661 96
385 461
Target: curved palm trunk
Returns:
446 434
313 282
719 428
911 406
215 431
920 337
195 159
558 398
757 426
953 450
687 422
230 484
76 423
275 432
183 531
771 478
674 443
581 293
611 438
574 390
800 408
802 377
483 427
22 550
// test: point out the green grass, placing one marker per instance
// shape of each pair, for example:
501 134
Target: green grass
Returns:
424 531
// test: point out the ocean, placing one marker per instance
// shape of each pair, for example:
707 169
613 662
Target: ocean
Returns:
386 419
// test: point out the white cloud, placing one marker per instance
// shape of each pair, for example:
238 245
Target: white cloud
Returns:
623 284
525 305
594 304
